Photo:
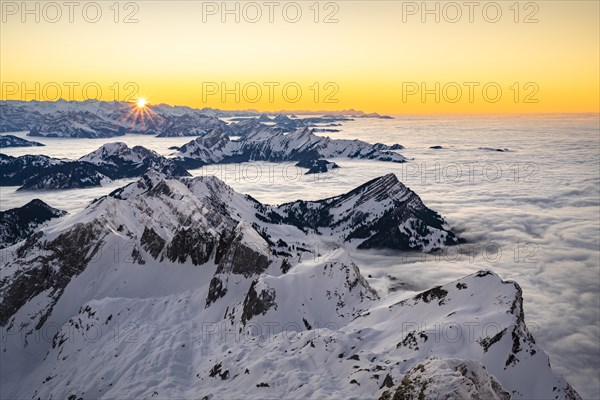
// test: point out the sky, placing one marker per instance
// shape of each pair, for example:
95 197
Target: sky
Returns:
378 56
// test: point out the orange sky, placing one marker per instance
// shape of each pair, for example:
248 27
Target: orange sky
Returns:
369 55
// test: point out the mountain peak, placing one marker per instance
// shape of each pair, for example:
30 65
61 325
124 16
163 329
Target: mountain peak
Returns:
18 223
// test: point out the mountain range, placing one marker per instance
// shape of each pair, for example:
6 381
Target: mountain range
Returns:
105 119
109 162
117 161
264 143
181 287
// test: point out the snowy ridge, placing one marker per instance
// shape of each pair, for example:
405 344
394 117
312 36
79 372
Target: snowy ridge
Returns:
209 149
268 144
17 224
132 162
110 161
382 213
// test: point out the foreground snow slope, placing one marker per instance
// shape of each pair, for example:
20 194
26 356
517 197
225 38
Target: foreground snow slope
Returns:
183 288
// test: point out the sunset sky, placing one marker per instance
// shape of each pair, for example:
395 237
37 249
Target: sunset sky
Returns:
376 57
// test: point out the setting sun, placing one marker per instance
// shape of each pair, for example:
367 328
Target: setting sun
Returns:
141 102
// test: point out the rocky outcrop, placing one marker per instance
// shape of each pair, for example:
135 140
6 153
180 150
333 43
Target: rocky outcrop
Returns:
447 379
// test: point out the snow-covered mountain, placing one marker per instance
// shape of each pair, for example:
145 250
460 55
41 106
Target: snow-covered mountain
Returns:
82 124
178 288
15 141
100 119
283 123
382 213
17 224
268 144
246 126
14 117
110 161
15 171
131 162
93 118
202 220
190 125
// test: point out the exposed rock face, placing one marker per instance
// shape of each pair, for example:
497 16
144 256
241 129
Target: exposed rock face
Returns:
44 268
447 379
266 143
244 252
15 141
192 243
257 303
152 242
17 224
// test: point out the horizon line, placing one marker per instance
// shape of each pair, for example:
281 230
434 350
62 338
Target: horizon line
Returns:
348 110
